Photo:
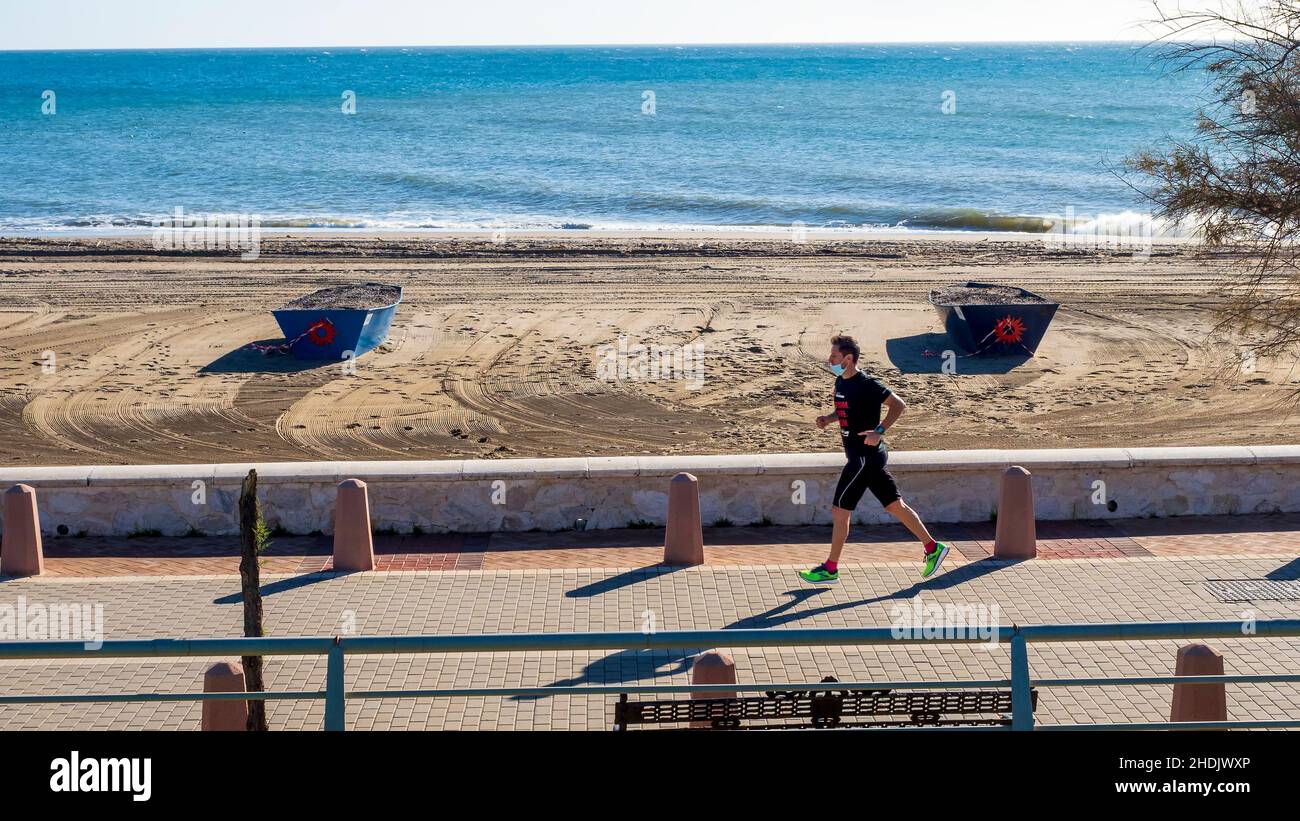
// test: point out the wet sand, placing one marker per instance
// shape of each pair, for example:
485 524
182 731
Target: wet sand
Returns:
496 350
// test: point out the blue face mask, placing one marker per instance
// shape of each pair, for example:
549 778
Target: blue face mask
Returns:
838 370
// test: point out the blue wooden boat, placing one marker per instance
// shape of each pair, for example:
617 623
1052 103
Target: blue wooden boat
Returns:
1000 328
330 333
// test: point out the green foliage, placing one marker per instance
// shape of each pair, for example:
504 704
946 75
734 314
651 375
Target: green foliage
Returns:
1235 182
262 534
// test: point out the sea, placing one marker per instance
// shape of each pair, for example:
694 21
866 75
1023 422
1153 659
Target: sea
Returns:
837 138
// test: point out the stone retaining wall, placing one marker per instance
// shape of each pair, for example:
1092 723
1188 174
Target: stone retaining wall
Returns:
612 492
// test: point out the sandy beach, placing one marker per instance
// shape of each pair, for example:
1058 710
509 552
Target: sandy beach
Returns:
495 349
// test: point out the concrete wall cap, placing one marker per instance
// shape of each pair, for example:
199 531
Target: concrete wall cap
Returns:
273 472
1275 454
798 463
564 468
953 459
416 471
738 465
116 475
45 477
1191 456
613 467
1070 458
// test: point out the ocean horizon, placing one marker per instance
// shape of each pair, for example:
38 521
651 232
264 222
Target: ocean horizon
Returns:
836 138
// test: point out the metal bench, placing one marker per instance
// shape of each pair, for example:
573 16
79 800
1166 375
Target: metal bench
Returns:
802 709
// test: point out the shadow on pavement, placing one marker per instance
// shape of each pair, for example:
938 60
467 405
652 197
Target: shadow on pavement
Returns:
625 579
637 665
284 585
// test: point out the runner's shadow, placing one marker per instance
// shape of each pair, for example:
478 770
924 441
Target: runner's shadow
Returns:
778 615
637 665
627 666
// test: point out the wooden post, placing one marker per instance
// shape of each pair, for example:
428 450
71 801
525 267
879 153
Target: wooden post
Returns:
252 537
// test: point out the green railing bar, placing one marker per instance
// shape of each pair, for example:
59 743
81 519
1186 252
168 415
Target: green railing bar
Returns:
1263 678
616 689
1151 631
129 697
166 648
336 648
1022 703
335 698
512 642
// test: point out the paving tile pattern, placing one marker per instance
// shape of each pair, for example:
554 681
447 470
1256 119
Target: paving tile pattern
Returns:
624 598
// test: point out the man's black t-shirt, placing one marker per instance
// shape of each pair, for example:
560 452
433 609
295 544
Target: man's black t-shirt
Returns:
857 404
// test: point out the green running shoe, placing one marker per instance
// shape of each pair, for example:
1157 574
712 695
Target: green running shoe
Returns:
820 575
933 559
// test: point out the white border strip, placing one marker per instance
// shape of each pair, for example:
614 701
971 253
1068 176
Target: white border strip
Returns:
600 467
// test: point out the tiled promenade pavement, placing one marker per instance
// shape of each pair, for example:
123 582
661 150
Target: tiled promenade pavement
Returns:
607 581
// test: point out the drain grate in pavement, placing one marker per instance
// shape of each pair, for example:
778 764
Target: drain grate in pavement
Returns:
1246 590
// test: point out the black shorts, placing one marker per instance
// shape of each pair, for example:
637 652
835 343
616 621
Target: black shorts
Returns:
862 473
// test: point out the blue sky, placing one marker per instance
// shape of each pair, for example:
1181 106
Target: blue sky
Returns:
82 24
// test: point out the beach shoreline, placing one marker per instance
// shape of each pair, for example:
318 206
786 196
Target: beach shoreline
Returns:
768 233
117 353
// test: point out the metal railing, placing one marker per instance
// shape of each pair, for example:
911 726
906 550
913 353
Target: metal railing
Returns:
336 649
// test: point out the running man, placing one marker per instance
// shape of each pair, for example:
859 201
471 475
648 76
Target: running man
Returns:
858 398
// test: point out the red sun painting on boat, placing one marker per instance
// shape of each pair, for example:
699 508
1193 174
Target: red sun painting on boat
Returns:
1009 329
321 332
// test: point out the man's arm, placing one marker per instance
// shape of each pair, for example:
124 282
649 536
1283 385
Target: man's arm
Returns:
896 407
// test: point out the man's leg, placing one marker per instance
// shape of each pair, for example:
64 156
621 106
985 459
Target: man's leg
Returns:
839 532
828 572
848 491
911 521
886 491
935 551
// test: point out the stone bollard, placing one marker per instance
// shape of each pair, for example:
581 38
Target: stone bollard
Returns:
354 547
712 668
225 677
684 535
1199 702
1016 534
21 553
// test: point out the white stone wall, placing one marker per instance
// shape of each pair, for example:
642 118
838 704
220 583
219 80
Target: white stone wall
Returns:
611 492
